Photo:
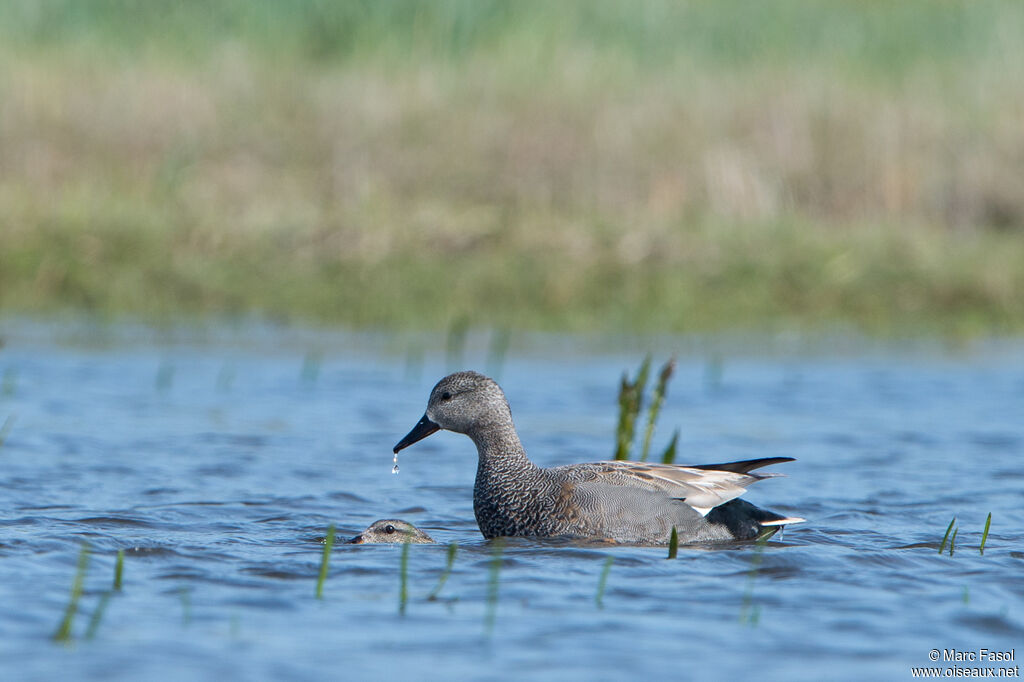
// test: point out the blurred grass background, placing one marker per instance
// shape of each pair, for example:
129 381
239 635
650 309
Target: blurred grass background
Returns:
581 165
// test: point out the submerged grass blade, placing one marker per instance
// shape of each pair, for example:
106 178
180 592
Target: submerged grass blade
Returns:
673 544
492 585
669 456
63 633
602 581
452 549
97 615
118 570
984 535
403 579
325 560
751 612
101 607
185 592
946 536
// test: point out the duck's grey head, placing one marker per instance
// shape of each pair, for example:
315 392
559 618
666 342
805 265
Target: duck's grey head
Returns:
461 402
391 531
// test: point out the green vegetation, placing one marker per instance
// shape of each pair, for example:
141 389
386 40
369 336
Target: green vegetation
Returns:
955 530
984 535
63 633
584 165
119 571
656 402
602 582
453 548
325 561
750 613
946 537
631 396
631 401
673 544
403 579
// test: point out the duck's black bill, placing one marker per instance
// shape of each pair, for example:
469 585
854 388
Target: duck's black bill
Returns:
423 428
357 540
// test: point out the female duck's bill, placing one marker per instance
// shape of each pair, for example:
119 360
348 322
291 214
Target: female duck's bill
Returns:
423 428
389 531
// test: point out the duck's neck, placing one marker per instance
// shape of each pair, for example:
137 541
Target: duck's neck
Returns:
501 453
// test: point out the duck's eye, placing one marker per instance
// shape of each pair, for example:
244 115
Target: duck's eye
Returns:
446 396
389 529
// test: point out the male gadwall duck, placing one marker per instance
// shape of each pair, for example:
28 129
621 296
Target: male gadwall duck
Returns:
624 502
391 531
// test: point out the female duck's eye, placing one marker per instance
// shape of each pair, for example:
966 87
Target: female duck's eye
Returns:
446 396
389 529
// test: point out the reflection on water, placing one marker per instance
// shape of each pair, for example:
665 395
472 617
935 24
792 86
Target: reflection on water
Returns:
217 467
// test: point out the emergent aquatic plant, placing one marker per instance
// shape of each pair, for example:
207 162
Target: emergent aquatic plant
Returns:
946 536
984 535
631 398
325 560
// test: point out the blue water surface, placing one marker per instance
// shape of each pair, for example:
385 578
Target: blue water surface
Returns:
217 459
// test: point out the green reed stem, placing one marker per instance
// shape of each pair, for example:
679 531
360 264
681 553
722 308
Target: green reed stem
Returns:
630 401
669 456
751 612
602 581
984 535
673 544
452 549
118 570
403 579
622 438
952 540
97 615
325 561
656 403
63 633
945 537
